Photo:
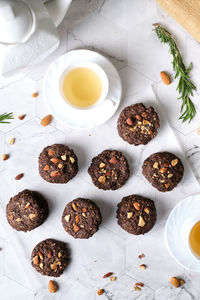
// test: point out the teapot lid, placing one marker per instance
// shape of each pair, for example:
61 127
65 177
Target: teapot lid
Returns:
16 21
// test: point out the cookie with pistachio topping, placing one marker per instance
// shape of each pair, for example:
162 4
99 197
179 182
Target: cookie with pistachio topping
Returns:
138 124
136 214
50 257
109 170
164 170
26 210
81 218
57 164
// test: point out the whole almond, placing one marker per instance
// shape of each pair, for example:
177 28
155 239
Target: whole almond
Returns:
46 120
165 78
19 176
35 95
136 205
107 274
5 156
21 117
100 292
53 287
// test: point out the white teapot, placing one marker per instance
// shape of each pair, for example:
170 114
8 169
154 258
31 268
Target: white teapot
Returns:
28 31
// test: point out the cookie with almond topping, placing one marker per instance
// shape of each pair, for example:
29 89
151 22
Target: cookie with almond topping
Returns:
164 170
109 170
50 257
137 124
57 164
81 218
27 210
136 214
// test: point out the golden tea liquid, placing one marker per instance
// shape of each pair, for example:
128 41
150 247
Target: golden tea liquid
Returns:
82 87
194 239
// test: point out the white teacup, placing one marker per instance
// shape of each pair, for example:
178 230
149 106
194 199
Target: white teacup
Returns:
100 73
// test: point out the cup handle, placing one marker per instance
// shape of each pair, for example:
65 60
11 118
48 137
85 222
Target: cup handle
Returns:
112 101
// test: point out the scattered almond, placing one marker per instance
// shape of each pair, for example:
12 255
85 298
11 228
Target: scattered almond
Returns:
12 141
176 282
21 117
46 120
143 267
136 205
52 286
35 95
107 274
165 78
136 288
5 156
19 176
100 292
141 256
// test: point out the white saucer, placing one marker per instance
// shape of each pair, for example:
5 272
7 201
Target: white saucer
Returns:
176 232
76 118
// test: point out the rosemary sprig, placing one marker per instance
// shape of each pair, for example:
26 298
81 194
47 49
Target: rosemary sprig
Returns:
6 116
185 86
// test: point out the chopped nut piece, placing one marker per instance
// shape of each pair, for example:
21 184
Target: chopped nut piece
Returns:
63 157
141 256
144 114
113 278
40 255
67 218
5 156
100 292
102 179
84 209
145 122
18 219
53 266
60 166
129 215
59 254
46 168
174 162
102 165
167 185
19 176
107 274
150 132
155 165
41 265
32 216
49 255
147 211
51 152
113 160
72 159
52 286
136 205
143 267
138 117
77 220
129 121
170 175
136 288
76 228
35 260
139 284
182 281
12 141
108 173
141 222
163 170
176 282
166 165
21 117
74 206
55 174
27 205
35 95
82 226
84 215
55 160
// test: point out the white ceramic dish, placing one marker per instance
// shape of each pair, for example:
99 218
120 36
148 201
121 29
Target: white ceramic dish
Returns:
76 118
179 223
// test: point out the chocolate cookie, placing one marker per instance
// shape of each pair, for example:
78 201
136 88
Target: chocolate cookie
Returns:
57 164
163 170
109 170
50 257
137 124
27 210
136 214
81 218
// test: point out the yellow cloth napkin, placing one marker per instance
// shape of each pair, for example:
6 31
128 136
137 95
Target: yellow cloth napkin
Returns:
186 13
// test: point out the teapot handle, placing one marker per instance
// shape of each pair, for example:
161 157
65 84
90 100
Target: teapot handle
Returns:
57 9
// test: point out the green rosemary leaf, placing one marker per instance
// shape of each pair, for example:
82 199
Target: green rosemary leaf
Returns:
5 117
185 87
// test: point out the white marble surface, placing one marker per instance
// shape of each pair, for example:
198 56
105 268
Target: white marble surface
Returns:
122 30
